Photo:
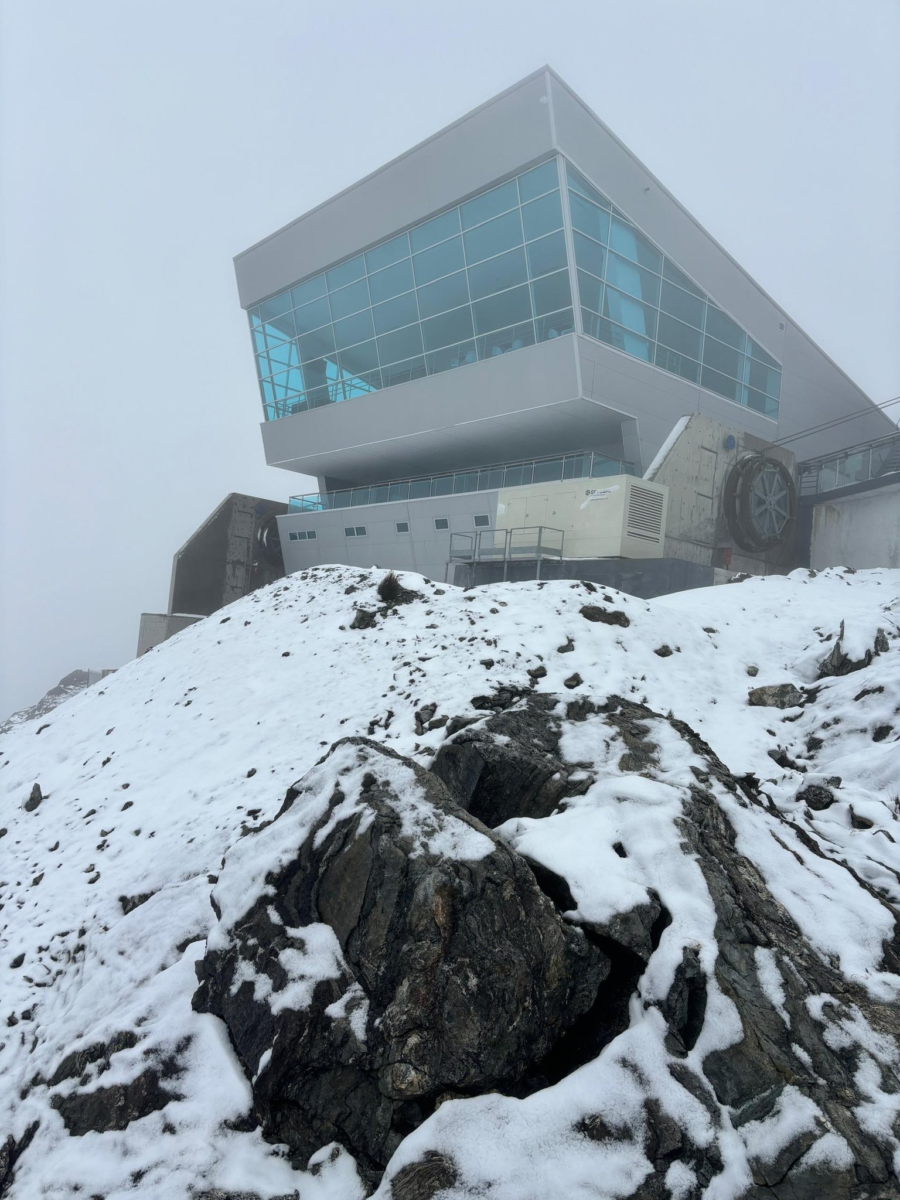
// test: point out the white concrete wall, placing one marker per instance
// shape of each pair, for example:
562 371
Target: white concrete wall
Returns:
858 531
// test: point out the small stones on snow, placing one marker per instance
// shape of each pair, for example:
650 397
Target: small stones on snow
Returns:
752 671
859 822
664 651
16 962
881 733
816 796
567 648
538 672
251 772
34 798
592 612
573 681
776 695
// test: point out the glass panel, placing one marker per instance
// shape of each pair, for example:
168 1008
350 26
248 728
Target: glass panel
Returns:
398 491
626 239
403 344
589 290
633 279
507 308
579 184
723 358
614 335
723 327
761 404
548 471
387 253
395 313
687 308
311 290
361 358
556 325
482 208
589 218
589 254
358 328
671 272
518 475
403 372
551 293
378 493
346 273
720 383
262 366
360 496
434 231
447 329
439 260
497 274
419 489
350 299
625 310
312 316
275 306
502 341
459 354
494 237
542 216
441 485
490 479
542 179
758 353
548 254
576 466
763 378
675 363
284 355
465 481
449 292
679 336
392 281
316 345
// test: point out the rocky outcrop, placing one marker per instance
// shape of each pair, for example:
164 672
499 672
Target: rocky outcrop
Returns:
390 952
839 662
776 695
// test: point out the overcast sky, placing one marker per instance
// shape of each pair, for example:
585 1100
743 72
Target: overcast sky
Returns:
144 144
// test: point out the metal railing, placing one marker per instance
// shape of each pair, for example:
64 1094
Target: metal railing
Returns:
857 464
507 545
584 464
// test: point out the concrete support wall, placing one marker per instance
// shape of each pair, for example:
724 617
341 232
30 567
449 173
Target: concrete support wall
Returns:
857 531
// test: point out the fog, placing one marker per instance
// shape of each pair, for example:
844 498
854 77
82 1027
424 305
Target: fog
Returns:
143 145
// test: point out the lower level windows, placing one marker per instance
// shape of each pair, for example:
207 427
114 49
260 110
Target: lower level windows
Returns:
355 531
303 535
403 526
441 523
481 521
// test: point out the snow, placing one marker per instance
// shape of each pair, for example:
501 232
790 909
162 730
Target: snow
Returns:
151 779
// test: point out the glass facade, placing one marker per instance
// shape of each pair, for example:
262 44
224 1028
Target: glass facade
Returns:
484 278
634 298
491 276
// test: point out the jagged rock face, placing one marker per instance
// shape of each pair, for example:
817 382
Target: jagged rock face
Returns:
387 952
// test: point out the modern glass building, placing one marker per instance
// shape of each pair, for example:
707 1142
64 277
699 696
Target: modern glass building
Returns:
518 288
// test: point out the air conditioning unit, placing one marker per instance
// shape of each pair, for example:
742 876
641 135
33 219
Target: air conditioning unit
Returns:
616 517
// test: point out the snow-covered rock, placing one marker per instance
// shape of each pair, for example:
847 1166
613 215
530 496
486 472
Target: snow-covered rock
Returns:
114 1085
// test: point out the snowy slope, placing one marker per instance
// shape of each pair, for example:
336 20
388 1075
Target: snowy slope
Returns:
150 778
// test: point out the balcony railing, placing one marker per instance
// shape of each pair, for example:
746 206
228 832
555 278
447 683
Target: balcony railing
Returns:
583 465
858 464
506 545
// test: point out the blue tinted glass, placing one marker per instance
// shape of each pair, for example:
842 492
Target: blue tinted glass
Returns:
262 366
284 355
542 179
671 272
542 216
502 341
548 470
497 274
723 328
279 329
494 237
275 306
353 329
720 384
677 364
255 318
764 378
589 218
490 204
760 355
316 345
629 277
551 293
403 344
311 316
392 281
435 231
627 311
589 290
507 308
579 184
419 489
546 254
349 299
760 403
589 254
403 372
439 260
447 293
448 329
457 355
359 359
682 305
259 339
678 336
395 313
554 326
311 290
614 335
723 358
627 240
346 273
387 253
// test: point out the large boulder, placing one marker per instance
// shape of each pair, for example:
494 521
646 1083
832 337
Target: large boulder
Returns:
379 949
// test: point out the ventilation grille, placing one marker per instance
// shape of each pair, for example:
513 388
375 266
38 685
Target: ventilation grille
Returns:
645 514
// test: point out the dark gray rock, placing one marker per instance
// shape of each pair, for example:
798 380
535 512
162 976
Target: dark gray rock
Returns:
606 616
838 662
422 1180
34 799
816 796
776 695
11 1151
481 976
106 1108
